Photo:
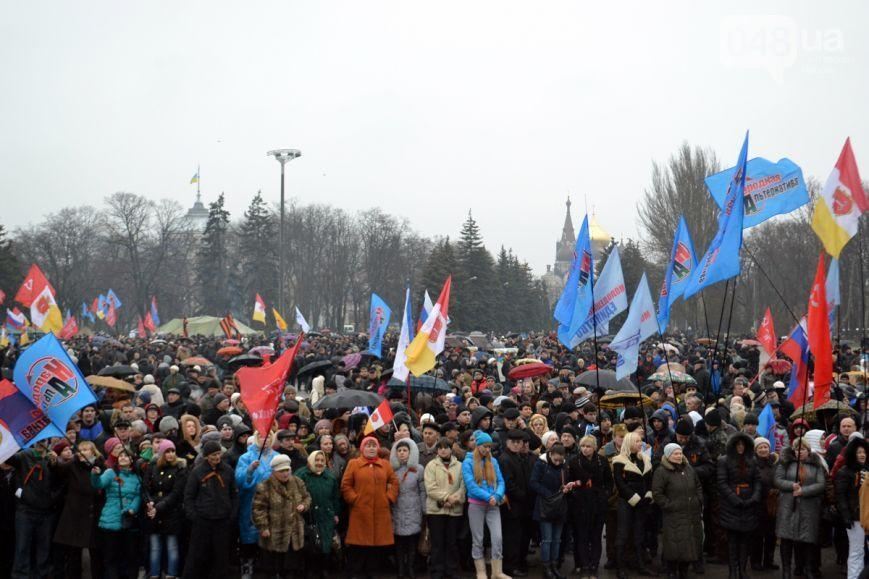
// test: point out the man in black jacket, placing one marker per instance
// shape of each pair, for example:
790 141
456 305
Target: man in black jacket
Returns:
34 512
516 470
211 503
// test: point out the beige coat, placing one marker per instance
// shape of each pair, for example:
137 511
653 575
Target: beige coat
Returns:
274 509
438 487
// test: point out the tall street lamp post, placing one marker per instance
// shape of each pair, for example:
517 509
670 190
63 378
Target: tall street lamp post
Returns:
282 156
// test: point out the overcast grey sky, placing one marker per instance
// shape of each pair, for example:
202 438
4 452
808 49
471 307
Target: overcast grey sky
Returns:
426 109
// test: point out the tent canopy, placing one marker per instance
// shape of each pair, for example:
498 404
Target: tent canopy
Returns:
201 325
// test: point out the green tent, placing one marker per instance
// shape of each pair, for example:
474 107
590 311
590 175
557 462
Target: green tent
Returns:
201 326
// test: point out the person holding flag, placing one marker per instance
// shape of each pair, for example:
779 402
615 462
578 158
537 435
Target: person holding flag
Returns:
300 319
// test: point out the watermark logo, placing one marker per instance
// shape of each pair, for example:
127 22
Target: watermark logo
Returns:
776 43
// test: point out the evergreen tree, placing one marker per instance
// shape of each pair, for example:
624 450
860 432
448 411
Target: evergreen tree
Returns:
441 263
10 267
213 263
476 282
258 252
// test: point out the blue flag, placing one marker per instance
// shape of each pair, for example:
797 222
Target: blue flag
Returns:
639 325
610 299
155 315
379 320
47 376
833 296
721 260
112 298
683 261
770 189
576 296
25 422
766 426
86 313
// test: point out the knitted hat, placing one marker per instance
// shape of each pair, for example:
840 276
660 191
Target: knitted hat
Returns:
211 437
281 462
761 440
211 447
168 423
148 379
225 420
60 445
581 401
750 418
670 449
713 418
163 446
111 444
234 398
547 436
685 427
481 438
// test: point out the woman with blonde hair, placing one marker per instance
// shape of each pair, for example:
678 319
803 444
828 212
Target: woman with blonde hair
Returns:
190 433
485 488
632 473
538 425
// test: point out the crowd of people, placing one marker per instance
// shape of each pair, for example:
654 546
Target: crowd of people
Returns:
487 476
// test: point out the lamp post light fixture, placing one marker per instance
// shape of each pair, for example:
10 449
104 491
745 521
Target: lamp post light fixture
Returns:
283 156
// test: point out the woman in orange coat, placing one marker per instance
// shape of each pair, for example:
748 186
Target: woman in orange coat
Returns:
369 488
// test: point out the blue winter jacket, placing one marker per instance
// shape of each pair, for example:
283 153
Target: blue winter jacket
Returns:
247 489
128 491
483 491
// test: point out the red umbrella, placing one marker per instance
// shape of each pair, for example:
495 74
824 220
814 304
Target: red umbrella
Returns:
229 351
529 371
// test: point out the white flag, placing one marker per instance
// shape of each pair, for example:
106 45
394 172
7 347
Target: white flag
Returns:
610 299
639 325
300 319
399 369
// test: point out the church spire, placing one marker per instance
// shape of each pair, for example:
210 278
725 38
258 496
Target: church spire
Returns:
568 236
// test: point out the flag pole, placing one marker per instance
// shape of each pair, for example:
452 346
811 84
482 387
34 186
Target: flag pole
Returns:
729 319
717 335
863 364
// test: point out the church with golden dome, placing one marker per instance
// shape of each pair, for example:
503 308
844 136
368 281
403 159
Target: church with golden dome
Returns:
556 274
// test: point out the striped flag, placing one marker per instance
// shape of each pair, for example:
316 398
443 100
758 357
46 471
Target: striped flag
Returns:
429 342
229 328
842 201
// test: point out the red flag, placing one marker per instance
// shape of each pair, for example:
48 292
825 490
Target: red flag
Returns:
2 296
32 287
766 333
70 329
148 323
96 305
261 389
112 316
819 336
140 329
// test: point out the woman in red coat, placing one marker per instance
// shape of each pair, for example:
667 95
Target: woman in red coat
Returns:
369 488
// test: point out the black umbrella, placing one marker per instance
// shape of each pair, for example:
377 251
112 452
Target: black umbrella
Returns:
120 371
349 399
420 384
244 360
314 366
607 379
